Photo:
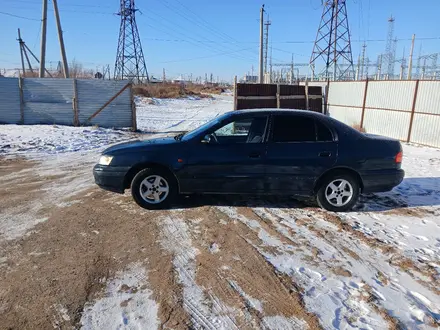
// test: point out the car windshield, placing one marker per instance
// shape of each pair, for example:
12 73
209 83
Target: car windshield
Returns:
199 130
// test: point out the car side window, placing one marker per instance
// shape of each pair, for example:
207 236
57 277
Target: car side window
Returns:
249 130
293 128
323 133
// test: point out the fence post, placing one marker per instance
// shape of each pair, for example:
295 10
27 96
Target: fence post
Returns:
363 103
325 98
133 109
413 109
20 86
75 104
235 93
278 96
307 95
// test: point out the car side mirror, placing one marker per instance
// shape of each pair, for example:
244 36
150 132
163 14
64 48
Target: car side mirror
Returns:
206 139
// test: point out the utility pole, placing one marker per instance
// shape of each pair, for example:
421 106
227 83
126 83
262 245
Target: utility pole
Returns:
261 71
270 73
291 72
43 40
411 57
21 54
266 43
358 69
390 48
364 47
379 66
61 39
164 78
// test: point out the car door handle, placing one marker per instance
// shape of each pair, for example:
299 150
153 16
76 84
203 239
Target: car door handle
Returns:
254 155
325 154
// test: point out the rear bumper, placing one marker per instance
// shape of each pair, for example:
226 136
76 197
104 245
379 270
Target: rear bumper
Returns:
110 178
381 181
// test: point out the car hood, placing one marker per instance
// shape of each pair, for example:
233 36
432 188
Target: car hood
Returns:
140 145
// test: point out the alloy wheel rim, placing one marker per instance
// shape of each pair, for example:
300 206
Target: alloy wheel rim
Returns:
154 189
339 192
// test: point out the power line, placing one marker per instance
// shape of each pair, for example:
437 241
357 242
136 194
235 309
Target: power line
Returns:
209 56
165 3
191 40
22 17
205 41
64 4
201 22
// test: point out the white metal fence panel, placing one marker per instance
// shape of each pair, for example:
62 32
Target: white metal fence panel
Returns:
321 84
93 94
9 101
426 130
349 116
48 101
394 124
428 97
346 94
396 95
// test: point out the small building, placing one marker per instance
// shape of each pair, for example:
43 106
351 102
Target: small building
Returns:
248 79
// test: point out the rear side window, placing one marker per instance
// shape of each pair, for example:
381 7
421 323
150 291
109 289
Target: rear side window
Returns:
323 133
293 129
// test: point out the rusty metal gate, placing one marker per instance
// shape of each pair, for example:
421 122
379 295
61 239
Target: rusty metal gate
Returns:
255 96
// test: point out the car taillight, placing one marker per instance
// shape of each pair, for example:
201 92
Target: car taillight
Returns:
399 157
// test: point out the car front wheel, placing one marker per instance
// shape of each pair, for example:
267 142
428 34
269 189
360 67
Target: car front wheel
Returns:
338 192
153 189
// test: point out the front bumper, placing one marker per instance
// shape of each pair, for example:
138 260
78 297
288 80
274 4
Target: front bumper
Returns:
382 181
110 178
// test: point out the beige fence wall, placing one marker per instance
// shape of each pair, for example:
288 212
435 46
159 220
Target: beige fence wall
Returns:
405 110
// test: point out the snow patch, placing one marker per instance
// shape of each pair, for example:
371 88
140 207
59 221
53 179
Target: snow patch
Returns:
175 238
283 323
251 302
127 304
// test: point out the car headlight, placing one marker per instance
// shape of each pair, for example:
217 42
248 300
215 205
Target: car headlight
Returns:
105 160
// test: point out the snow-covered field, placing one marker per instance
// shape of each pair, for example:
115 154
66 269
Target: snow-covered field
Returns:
179 115
229 262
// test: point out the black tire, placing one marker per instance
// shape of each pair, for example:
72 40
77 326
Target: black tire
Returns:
324 189
143 202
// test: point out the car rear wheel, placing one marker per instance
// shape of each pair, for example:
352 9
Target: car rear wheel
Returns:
153 189
338 192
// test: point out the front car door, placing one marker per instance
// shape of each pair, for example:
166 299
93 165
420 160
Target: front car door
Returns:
300 149
233 160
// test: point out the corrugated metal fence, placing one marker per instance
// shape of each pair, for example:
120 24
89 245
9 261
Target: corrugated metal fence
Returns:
75 102
405 110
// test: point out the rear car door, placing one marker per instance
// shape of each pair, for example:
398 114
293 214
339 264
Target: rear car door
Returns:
234 160
300 149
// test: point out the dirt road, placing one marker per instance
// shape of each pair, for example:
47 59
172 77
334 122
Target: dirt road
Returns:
73 255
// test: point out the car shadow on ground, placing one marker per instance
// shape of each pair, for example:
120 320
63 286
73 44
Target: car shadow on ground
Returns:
193 201
412 192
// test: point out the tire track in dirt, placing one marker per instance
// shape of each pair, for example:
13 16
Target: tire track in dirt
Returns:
67 260
237 260
308 266
393 255
372 259
176 239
